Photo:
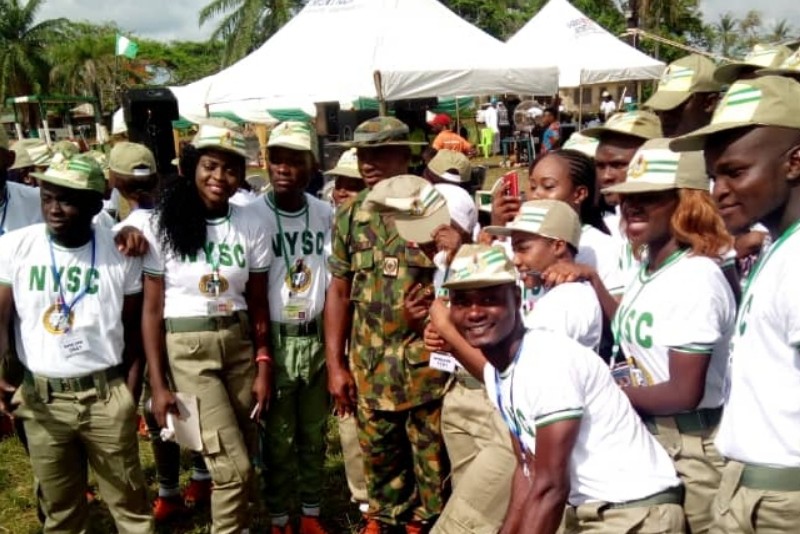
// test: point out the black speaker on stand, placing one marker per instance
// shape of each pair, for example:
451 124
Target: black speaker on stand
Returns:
149 112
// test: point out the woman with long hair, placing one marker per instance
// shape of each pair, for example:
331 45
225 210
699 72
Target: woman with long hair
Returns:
673 326
206 318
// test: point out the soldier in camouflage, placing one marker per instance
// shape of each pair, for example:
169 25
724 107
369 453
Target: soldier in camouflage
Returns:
376 304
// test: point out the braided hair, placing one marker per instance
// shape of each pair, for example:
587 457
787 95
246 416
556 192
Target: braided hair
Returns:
582 173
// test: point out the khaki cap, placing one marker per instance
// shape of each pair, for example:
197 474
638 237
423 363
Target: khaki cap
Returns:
346 166
760 57
764 101
683 78
582 143
293 135
479 266
446 161
66 149
789 67
132 159
418 208
655 167
222 137
31 153
79 172
553 219
380 131
642 124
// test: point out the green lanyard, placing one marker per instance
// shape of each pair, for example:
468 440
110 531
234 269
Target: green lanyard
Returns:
616 330
284 245
762 260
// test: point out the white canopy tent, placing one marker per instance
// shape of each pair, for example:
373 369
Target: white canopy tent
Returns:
339 50
587 53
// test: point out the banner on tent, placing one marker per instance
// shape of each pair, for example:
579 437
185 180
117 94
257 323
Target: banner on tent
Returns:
583 26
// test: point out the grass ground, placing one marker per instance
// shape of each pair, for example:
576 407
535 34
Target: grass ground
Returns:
18 508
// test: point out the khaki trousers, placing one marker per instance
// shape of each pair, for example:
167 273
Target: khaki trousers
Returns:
353 459
218 367
699 466
740 510
482 462
598 518
67 433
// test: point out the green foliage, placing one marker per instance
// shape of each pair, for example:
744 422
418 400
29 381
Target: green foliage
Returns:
733 37
23 43
188 61
246 24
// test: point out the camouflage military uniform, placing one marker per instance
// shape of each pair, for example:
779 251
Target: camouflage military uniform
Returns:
399 395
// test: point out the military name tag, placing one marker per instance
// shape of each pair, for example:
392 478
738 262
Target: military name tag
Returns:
391 266
443 361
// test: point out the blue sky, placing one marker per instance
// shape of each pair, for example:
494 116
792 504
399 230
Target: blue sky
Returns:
177 19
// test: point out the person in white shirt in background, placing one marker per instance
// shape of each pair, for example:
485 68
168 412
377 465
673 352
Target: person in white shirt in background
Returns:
579 442
19 204
77 303
543 234
674 323
490 117
607 107
752 151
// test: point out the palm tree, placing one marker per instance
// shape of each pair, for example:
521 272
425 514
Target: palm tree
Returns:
726 34
781 31
23 59
247 23
750 28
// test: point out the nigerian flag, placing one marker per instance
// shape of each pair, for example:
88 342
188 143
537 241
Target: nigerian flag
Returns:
126 47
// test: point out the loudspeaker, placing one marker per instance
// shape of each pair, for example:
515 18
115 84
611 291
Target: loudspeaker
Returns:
331 111
149 112
349 121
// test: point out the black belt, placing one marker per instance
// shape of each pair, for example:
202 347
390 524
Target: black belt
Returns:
672 495
696 421
298 330
181 325
77 384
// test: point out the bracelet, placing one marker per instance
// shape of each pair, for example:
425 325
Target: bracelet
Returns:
264 358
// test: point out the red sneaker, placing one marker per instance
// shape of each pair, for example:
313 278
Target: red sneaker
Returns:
311 525
167 508
197 492
286 529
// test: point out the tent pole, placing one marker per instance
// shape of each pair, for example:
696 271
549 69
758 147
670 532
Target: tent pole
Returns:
458 118
383 108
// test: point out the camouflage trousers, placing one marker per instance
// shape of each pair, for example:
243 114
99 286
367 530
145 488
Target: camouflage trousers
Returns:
405 463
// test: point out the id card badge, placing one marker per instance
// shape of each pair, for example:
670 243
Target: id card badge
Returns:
219 307
443 361
73 343
622 375
297 310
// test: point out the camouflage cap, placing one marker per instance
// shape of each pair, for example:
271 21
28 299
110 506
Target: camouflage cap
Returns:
480 266
416 206
553 219
346 166
221 136
380 131
132 159
582 143
446 161
79 172
293 135
66 148
762 56
641 123
655 167
764 101
789 67
681 79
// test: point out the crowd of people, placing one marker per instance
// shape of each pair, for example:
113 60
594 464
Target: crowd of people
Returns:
611 350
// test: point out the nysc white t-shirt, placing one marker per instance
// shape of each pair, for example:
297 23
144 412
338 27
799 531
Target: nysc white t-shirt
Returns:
236 244
302 241
96 318
571 309
553 379
761 421
20 206
601 252
687 306
138 218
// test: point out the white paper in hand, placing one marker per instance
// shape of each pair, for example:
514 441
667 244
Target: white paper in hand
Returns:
186 427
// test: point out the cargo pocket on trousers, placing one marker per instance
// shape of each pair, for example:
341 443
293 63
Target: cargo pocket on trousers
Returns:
227 462
731 476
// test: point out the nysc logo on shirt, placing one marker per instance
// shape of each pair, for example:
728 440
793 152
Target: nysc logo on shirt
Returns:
73 279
